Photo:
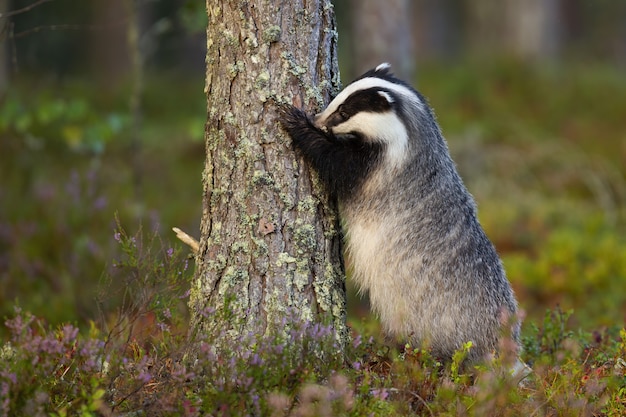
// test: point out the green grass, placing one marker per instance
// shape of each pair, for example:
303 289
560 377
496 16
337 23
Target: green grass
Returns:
543 151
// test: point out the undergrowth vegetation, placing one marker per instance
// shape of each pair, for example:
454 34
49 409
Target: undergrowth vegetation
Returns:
96 321
141 362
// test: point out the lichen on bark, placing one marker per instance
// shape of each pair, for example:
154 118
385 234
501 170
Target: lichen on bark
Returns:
270 240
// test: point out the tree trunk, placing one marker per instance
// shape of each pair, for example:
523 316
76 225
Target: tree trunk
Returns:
381 32
110 57
4 49
534 28
529 30
436 27
270 241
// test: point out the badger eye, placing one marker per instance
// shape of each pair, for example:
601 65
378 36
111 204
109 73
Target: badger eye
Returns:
338 117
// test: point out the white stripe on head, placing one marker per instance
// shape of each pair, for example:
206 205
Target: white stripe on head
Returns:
386 128
364 84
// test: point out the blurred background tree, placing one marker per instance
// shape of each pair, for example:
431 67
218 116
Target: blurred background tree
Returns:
530 94
380 31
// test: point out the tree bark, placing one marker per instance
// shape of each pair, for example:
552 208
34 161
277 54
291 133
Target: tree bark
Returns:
4 49
110 57
436 27
270 242
534 29
381 32
528 30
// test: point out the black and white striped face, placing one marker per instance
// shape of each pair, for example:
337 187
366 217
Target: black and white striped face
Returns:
370 110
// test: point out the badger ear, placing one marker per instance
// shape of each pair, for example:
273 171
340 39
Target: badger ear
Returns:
386 96
383 68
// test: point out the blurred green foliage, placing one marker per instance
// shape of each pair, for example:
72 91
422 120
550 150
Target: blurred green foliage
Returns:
68 167
193 16
65 124
581 269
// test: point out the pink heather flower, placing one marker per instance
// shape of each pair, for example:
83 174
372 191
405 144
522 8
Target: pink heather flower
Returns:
69 333
144 377
380 393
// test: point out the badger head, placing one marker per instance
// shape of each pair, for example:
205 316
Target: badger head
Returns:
375 108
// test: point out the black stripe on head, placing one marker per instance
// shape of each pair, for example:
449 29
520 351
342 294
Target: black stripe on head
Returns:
372 100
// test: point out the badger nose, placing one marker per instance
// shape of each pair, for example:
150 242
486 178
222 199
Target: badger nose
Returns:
317 121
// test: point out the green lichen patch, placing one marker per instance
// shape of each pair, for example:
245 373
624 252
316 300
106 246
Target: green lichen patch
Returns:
305 238
260 177
272 34
284 258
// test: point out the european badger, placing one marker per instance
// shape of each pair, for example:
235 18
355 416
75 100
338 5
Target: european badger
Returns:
412 235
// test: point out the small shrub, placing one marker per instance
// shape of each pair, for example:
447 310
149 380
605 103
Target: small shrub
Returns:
44 370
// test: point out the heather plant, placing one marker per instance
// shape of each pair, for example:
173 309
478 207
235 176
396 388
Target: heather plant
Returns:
44 370
255 371
144 294
127 365
39 212
57 370
138 358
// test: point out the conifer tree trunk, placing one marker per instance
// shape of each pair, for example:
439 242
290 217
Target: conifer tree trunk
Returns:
4 49
381 32
270 240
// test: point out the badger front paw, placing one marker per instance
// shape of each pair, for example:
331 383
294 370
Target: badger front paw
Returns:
295 121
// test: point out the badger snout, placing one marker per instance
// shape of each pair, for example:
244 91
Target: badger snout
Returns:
319 123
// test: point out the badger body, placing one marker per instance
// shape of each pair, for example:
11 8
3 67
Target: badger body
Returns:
413 240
